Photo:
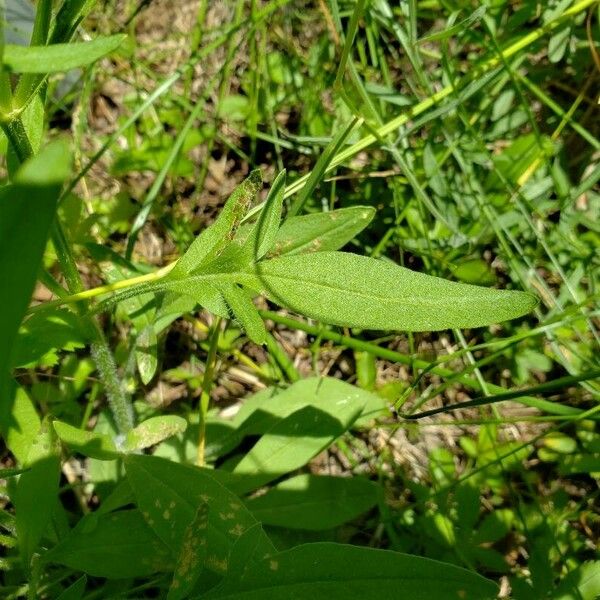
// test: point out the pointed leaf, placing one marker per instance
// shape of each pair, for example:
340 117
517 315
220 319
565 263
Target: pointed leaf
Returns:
214 239
321 231
314 502
146 350
115 545
59 57
339 572
357 291
245 312
88 443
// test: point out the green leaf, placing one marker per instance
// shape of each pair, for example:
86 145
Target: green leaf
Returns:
583 583
146 354
314 502
37 491
27 209
244 311
75 591
154 431
43 334
269 218
190 561
88 443
19 421
291 443
115 545
59 57
321 231
213 240
339 572
357 291
169 494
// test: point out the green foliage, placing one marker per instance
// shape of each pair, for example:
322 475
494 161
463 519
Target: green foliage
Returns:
445 159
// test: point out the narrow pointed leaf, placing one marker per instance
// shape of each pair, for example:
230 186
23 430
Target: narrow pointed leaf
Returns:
88 443
216 237
321 231
59 57
268 221
245 312
356 291
339 572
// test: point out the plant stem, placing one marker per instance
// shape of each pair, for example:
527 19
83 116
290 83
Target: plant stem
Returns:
206 387
17 136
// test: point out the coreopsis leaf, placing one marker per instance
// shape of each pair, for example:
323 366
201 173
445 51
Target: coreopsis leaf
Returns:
357 291
88 443
146 353
115 545
37 491
154 430
213 240
59 57
244 311
321 231
339 572
314 502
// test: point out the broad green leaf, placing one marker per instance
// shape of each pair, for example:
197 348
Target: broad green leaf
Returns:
115 545
314 502
27 209
190 561
357 291
244 311
88 443
37 491
59 57
43 334
153 431
321 231
261 411
583 583
339 572
146 354
19 421
291 443
211 242
169 495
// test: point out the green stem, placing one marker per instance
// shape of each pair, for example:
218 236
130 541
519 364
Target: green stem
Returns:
206 387
17 136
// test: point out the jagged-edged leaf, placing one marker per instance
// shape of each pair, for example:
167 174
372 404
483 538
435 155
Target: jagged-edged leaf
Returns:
88 443
114 545
314 502
154 430
244 311
59 57
339 572
320 232
169 494
215 238
357 291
